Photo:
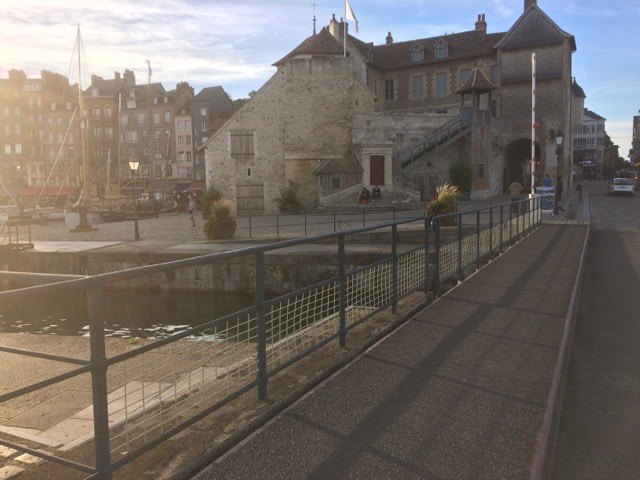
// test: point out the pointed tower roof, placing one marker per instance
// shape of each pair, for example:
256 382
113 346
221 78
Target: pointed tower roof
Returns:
322 43
533 29
477 83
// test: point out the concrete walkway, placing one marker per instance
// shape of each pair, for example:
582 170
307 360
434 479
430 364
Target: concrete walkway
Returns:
459 392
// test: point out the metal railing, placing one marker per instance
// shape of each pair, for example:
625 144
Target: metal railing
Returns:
144 396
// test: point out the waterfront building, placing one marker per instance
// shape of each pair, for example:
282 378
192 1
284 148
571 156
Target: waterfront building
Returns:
400 114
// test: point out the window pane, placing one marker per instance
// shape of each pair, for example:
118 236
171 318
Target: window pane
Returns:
417 87
464 76
441 84
389 93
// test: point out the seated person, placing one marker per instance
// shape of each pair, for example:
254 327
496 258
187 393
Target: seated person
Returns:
364 196
376 195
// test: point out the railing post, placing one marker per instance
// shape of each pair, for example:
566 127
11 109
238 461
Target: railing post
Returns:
334 221
249 226
518 220
394 214
364 221
477 238
277 225
394 268
342 293
490 231
501 227
459 218
436 273
305 223
510 223
427 227
95 310
262 377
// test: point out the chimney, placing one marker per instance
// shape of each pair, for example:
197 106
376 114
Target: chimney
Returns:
480 23
389 38
334 28
528 3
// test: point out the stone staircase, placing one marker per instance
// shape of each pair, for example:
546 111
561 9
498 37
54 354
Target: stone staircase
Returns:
434 142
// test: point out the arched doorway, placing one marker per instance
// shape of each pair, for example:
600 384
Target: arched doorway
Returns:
516 163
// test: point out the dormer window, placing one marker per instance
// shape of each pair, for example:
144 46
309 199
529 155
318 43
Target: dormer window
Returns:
442 50
417 54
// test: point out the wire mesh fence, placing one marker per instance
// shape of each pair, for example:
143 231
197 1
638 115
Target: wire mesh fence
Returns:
142 397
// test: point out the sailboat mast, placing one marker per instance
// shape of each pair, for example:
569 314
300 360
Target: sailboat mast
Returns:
83 128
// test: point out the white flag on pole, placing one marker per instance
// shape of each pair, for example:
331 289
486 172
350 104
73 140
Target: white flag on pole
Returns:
349 14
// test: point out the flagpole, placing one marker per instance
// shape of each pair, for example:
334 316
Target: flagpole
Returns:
344 28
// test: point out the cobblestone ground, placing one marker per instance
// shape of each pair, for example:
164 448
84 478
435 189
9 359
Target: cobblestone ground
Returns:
613 212
176 227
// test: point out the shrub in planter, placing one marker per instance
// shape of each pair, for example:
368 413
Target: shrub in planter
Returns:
446 201
209 196
288 201
220 223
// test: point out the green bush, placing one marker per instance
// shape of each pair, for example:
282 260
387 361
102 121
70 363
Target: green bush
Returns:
288 201
220 223
461 175
210 195
446 201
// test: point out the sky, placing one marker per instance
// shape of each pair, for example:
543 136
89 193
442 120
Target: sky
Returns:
233 43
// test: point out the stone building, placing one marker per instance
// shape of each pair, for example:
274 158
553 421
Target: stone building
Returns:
589 144
400 114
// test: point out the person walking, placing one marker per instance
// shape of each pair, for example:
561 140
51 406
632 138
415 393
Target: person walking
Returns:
192 211
547 182
515 189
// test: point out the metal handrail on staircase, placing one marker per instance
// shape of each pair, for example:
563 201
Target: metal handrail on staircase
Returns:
444 135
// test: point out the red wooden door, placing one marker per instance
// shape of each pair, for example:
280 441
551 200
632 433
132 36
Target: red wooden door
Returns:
376 172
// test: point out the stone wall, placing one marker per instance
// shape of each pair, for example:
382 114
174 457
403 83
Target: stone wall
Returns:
301 117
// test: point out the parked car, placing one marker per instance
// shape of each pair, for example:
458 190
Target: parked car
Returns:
621 186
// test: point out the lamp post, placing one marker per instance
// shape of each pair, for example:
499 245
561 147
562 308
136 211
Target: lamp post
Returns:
133 165
559 140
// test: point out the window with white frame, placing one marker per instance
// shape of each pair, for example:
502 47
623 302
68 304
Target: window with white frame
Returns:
203 111
441 50
141 119
417 54
131 103
18 147
7 148
167 117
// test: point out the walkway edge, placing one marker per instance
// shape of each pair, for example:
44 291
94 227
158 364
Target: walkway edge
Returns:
545 448
208 457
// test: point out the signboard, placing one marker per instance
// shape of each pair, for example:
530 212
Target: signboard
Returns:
548 197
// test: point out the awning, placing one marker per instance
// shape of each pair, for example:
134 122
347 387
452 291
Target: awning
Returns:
47 191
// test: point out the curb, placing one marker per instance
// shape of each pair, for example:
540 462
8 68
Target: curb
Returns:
547 435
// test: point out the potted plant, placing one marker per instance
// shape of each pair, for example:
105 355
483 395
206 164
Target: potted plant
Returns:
220 223
446 201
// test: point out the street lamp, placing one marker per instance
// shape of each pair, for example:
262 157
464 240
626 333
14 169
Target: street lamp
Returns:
133 165
559 140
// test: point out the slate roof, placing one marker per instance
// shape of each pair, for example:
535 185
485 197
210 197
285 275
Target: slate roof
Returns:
477 83
577 90
322 43
533 29
593 115
474 43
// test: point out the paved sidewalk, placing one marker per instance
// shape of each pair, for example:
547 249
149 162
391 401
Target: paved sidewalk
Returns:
459 392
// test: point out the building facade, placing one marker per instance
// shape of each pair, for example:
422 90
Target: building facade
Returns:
589 145
400 114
